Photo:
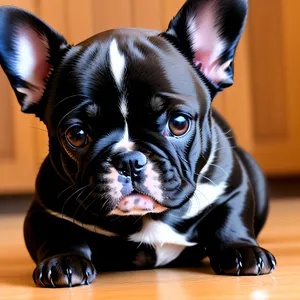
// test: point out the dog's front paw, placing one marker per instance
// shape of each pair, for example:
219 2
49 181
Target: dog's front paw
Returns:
64 271
250 260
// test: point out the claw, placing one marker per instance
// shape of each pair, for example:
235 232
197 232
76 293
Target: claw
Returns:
272 261
87 274
50 278
260 265
41 279
239 262
221 271
69 275
273 265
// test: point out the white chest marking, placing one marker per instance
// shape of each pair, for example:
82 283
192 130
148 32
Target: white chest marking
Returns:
205 195
167 253
167 242
117 62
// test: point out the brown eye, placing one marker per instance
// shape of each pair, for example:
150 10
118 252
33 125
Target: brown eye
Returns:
179 125
76 136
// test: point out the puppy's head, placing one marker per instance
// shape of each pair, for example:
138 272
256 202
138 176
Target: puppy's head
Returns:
128 111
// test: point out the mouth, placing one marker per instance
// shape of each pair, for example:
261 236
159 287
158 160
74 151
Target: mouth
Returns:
137 204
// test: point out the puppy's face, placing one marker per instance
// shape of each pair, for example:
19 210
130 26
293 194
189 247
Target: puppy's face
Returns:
127 111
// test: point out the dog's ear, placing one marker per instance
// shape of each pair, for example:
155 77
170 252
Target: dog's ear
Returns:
208 32
29 51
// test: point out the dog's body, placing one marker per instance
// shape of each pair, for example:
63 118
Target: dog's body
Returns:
141 172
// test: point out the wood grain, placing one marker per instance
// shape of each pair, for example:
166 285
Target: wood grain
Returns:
6 132
109 14
268 76
281 236
147 14
18 170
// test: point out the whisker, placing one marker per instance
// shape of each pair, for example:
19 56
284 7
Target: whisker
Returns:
82 202
69 199
202 195
60 194
69 112
226 173
205 177
79 195
204 157
228 131
67 98
138 219
106 202
89 205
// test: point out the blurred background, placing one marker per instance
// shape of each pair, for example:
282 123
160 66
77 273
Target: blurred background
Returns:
263 106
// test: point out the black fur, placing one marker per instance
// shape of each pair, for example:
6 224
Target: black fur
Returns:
159 80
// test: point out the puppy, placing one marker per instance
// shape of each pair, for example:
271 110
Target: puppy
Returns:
141 171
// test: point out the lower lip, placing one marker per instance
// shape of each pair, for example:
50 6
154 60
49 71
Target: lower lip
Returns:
138 205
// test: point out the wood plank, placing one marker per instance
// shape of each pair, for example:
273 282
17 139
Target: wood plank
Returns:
278 150
170 9
238 98
268 77
110 14
79 20
17 174
54 13
282 238
147 14
6 126
290 44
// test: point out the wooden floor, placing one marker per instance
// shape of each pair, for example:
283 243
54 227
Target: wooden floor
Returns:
281 236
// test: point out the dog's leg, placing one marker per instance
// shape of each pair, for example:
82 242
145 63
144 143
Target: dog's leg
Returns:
230 239
259 187
63 258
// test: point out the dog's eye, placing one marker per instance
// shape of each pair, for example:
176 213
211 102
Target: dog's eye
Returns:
179 125
76 136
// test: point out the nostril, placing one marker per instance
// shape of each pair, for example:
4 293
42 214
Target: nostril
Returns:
130 163
139 165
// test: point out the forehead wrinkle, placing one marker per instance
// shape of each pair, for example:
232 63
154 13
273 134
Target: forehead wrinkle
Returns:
91 68
93 110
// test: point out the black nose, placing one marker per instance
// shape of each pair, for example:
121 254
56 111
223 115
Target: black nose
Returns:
129 163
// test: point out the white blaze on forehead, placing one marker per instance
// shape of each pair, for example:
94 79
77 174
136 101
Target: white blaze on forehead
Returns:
117 62
125 143
124 108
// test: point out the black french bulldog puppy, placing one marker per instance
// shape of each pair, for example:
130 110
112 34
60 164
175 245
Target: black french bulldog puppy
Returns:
141 171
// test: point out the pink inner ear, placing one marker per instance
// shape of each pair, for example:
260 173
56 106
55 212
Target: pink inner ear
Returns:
32 67
207 44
